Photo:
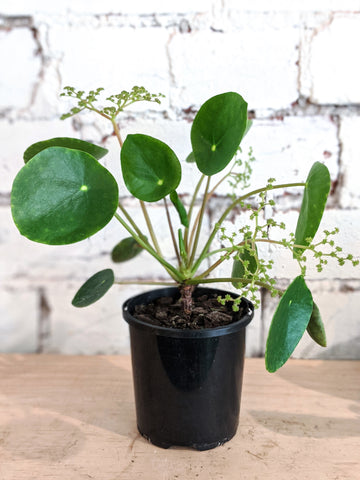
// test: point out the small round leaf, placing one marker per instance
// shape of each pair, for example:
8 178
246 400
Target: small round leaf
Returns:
125 250
62 196
151 170
94 288
74 143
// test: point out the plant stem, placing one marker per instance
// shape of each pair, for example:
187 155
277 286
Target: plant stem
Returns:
150 227
130 220
172 271
186 292
213 266
198 280
196 191
231 250
117 131
198 230
229 209
172 232
209 195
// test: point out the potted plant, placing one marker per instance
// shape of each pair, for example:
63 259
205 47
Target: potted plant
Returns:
187 341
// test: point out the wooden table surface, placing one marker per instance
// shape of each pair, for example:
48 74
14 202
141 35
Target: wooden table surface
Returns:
68 418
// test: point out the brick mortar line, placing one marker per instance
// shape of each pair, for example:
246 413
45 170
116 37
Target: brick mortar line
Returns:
188 114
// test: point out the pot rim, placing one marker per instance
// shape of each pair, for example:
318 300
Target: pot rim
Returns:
151 295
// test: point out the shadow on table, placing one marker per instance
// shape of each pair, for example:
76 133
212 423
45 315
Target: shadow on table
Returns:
336 378
41 436
93 390
303 425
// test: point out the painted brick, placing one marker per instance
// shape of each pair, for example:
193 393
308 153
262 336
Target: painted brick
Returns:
347 239
18 326
349 188
20 68
262 6
335 78
205 63
103 57
92 330
286 149
16 136
95 7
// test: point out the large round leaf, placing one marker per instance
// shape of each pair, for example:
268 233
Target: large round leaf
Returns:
151 170
216 133
63 196
313 204
94 288
288 324
74 143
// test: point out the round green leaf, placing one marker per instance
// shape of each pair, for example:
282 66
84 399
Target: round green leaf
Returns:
288 324
62 196
313 204
316 328
94 288
151 170
74 143
217 131
125 250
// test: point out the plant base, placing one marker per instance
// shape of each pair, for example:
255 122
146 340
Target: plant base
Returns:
187 383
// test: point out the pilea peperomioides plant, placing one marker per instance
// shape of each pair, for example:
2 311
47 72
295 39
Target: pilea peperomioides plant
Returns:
63 195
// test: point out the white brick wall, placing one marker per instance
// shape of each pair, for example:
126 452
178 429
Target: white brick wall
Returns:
294 64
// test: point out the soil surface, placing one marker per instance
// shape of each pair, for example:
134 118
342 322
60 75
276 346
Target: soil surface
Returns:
207 312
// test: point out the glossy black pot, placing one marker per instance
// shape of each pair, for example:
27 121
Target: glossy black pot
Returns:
187 382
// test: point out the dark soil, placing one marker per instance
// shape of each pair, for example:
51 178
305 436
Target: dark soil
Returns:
207 312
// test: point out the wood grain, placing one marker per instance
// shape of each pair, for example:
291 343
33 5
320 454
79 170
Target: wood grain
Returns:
68 418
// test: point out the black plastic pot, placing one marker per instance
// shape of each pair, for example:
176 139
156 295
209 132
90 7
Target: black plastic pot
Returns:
187 382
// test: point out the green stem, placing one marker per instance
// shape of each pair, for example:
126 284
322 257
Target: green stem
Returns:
229 209
150 227
117 131
198 230
245 281
172 271
172 232
231 250
209 195
130 220
196 191
91 107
